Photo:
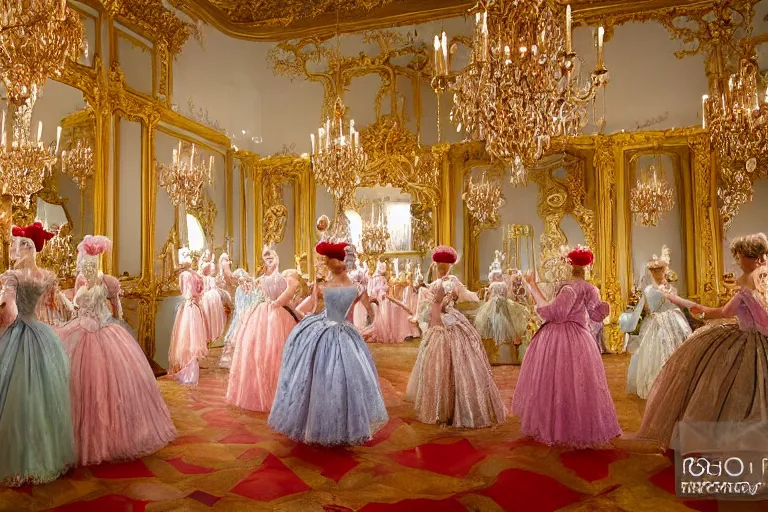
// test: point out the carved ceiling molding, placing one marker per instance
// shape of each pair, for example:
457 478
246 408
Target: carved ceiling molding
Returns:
280 20
153 19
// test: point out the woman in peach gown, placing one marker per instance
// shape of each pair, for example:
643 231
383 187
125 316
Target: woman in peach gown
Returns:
391 323
189 335
260 339
212 303
117 410
451 382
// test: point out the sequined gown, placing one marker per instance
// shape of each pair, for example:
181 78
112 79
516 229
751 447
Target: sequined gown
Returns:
328 393
189 335
117 410
259 346
36 440
451 382
661 332
212 305
562 395
719 374
246 297
390 324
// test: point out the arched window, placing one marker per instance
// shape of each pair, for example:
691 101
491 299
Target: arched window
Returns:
195 234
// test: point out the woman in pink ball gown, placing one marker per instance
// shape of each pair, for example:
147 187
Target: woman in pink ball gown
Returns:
212 303
391 323
189 336
562 395
117 410
359 275
451 382
260 339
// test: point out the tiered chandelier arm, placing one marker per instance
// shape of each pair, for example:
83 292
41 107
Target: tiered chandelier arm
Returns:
483 200
186 177
651 197
521 87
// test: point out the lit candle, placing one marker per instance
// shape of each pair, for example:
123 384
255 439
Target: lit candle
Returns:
3 129
312 138
445 54
568 26
210 165
192 156
438 69
179 149
58 138
600 37
62 9
175 156
39 131
484 32
704 111
507 53
766 95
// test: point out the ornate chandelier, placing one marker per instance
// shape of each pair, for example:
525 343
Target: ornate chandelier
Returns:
521 87
738 129
337 160
651 197
374 239
77 163
483 199
187 176
36 40
24 162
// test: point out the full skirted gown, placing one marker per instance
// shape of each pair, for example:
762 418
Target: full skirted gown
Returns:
720 374
359 313
246 297
505 323
37 445
212 306
661 332
189 336
391 323
562 395
328 392
54 307
259 346
117 410
451 381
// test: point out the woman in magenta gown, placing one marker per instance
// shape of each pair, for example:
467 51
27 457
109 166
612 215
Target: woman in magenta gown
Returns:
720 373
451 382
117 410
189 336
260 339
562 395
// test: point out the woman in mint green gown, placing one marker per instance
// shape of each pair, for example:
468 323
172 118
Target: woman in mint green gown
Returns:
36 439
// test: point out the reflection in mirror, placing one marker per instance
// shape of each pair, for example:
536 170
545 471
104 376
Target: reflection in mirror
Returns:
195 234
387 206
647 241
52 216
519 252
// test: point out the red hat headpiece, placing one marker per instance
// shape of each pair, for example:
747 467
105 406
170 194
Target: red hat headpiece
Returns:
444 254
34 232
331 250
581 257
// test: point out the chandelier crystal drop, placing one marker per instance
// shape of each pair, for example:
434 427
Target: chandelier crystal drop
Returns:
651 197
484 199
522 86
186 177
77 163
338 160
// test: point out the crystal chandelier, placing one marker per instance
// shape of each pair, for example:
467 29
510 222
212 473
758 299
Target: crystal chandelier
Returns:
186 177
36 40
483 199
738 129
374 239
337 160
24 162
521 87
77 163
651 197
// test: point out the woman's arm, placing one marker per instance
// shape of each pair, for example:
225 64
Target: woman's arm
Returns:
366 302
398 303
533 288
309 305
727 311
285 298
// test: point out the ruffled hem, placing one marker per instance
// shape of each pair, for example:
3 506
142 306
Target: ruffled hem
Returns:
19 481
340 442
578 445
140 455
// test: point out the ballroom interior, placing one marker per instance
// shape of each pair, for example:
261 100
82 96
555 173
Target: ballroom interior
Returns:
205 124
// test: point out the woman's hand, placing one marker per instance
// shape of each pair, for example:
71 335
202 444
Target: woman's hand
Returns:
530 277
698 311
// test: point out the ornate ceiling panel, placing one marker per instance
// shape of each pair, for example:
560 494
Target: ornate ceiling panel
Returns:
279 20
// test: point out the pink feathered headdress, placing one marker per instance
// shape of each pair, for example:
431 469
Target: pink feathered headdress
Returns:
94 245
444 254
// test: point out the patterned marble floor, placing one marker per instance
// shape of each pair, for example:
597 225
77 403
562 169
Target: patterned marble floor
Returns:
225 459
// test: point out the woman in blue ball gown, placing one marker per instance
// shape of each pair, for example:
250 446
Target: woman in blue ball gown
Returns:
328 391
37 444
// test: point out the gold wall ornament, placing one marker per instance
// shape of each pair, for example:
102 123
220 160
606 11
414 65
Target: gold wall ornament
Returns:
154 20
522 86
651 197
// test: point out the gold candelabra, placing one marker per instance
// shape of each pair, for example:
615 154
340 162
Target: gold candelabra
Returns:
738 128
522 86
338 160
651 197
186 177
59 256
483 199
77 163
